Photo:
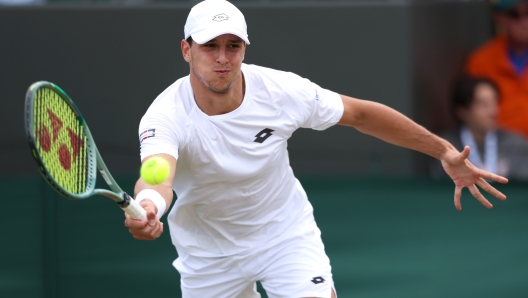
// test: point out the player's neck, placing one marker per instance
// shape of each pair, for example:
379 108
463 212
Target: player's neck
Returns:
213 103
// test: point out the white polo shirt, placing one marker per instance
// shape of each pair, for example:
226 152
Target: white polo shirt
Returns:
235 187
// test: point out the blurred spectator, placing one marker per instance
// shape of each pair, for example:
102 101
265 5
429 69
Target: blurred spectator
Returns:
475 105
504 59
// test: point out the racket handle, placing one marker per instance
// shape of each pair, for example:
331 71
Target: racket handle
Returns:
132 208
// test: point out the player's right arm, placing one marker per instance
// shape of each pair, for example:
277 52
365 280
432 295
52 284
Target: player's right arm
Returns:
151 228
393 127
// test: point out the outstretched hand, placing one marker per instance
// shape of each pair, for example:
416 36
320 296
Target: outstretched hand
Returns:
465 174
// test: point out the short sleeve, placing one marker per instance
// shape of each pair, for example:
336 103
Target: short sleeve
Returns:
310 105
161 132
327 109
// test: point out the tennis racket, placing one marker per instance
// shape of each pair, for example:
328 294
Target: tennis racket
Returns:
64 149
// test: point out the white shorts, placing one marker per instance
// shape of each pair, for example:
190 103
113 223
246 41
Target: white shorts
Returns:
296 267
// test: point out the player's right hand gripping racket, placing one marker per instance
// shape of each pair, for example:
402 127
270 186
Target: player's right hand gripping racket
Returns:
64 149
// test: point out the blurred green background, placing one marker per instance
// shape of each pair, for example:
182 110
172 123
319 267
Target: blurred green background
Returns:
388 230
385 238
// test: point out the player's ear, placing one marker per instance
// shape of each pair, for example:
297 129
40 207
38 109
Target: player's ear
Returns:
186 50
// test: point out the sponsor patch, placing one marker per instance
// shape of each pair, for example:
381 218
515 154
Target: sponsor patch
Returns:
149 133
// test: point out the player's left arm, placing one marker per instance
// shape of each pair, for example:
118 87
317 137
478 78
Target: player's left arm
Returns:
387 124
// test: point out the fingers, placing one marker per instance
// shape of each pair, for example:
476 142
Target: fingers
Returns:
135 223
490 189
149 207
151 217
456 158
458 195
149 233
490 176
147 229
464 154
476 193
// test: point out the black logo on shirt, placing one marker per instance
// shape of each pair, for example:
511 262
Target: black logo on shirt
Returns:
263 135
318 280
221 17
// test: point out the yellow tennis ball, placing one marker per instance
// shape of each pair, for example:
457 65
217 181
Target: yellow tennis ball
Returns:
155 170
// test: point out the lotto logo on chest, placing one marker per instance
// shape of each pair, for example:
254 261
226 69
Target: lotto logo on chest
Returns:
263 135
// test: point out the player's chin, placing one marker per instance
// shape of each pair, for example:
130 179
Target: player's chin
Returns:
220 88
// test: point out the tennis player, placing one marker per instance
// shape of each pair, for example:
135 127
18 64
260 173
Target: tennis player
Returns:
241 215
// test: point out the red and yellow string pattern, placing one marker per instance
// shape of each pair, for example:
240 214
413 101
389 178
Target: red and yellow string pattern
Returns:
60 140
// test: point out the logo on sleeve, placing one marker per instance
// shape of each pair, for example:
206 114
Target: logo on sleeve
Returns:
263 135
149 133
318 280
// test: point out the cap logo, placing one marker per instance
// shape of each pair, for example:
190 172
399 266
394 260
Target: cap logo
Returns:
221 17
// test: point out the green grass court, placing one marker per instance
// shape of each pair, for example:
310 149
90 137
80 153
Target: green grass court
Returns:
384 237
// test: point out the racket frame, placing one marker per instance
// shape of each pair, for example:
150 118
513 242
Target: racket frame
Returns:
94 159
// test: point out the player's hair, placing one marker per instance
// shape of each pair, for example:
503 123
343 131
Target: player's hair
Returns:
464 92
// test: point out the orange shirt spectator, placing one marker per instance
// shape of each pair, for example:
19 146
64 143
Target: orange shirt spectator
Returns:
504 59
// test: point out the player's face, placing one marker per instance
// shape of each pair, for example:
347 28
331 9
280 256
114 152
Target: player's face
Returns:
216 63
515 23
482 113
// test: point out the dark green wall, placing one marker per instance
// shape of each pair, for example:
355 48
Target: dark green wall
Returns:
385 238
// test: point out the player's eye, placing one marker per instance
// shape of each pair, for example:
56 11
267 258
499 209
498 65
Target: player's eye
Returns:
234 46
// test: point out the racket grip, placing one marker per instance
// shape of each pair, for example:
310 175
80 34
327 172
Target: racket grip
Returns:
132 208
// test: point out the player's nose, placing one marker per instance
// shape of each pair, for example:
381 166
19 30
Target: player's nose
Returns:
222 58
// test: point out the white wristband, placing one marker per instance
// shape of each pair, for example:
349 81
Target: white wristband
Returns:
155 197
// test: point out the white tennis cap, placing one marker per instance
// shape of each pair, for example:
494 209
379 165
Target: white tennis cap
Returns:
211 18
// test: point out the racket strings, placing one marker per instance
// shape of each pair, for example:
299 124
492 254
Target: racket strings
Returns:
60 140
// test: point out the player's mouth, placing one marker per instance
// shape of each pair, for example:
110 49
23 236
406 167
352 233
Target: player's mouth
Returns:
222 73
